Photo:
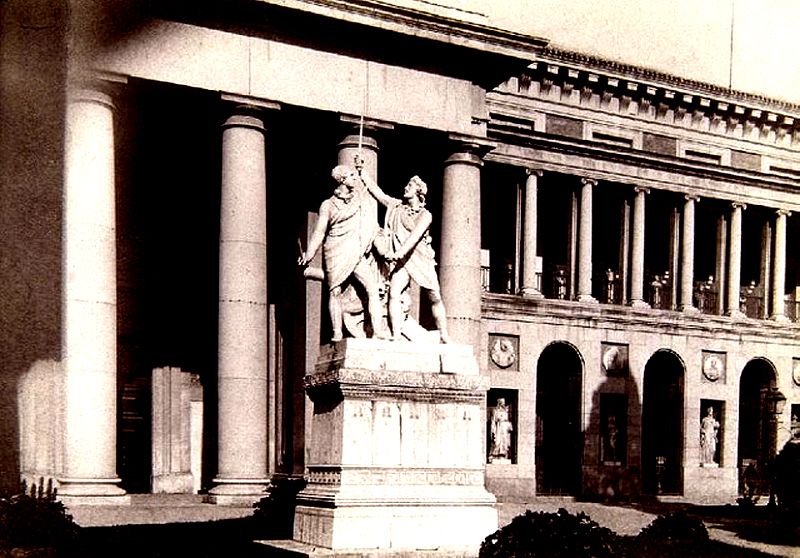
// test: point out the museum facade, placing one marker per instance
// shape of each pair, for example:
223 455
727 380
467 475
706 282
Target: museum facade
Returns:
618 246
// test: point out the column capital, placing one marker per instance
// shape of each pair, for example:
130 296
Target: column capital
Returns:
738 205
253 104
691 198
533 172
641 189
589 181
783 213
475 146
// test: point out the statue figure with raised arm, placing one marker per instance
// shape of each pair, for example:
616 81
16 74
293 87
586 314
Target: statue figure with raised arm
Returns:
409 252
346 229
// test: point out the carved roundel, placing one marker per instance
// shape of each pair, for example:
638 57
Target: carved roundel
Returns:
503 353
712 367
796 372
612 360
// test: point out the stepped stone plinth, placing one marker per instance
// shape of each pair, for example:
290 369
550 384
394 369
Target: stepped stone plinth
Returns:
396 456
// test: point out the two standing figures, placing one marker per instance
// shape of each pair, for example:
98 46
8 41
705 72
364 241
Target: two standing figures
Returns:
347 229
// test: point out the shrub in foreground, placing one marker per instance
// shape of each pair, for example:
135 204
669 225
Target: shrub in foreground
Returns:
28 522
540 534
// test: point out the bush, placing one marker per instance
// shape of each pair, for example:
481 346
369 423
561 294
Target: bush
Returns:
538 534
786 471
28 522
676 527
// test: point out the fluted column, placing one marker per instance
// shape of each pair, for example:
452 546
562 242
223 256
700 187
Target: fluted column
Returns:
687 255
460 259
735 260
585 242
242 352
779 275
637 249
530 288
89 332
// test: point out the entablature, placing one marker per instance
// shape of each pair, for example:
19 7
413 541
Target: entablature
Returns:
593 100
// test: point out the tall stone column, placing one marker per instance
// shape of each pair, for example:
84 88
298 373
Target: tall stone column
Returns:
242 352
637 249
687 255
530 288
735 260
779 275
460 253
89 339
585 242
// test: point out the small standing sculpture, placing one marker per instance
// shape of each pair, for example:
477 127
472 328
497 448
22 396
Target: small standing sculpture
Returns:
500 429
409 251
610 441
346 229
709 429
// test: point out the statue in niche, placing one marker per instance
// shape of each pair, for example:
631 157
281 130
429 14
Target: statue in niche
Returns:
405 244
500 429
346 229
709 430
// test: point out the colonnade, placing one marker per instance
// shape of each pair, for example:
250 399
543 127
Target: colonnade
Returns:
88 472
584 249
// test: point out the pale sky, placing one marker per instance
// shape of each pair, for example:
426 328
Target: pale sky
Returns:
689 38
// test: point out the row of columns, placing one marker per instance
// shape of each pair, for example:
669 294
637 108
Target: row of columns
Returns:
636 299
89 341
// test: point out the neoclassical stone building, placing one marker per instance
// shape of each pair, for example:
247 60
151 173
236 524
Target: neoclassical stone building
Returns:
618 246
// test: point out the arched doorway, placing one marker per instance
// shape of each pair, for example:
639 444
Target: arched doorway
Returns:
558 421
757 426
662 425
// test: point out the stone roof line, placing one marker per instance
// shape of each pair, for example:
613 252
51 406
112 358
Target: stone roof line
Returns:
663 79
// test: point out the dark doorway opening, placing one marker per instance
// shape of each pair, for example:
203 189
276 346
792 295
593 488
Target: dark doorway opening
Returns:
662 425
558 422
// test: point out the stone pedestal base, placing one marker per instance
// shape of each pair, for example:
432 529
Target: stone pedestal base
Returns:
396 455
237 492
173 483
711 485
94 492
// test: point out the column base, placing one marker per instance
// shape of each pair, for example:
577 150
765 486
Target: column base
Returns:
238 492
690 309
736 314
638 304
587 298
530 292
780 318
92 492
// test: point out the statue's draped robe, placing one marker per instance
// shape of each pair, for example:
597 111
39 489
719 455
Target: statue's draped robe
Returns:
419 263
352 228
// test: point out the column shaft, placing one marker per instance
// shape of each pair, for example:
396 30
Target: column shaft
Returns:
460 265
637 248
89 342
779 275
687 256
735 260
242 351
530 285
585 242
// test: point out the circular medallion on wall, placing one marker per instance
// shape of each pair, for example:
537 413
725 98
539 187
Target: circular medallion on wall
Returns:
712 368
503 353
796 372
612 360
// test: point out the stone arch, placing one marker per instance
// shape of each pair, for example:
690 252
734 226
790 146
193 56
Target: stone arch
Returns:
757 436
662 423
558 431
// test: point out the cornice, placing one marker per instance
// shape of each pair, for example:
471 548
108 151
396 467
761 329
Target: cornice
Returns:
425 23
556 55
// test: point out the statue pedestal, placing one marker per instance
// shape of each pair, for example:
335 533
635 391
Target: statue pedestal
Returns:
396 456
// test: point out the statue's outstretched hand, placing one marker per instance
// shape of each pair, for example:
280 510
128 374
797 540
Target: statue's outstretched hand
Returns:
303 259
358 161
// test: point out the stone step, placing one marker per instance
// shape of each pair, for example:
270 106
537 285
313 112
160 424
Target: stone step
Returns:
147 509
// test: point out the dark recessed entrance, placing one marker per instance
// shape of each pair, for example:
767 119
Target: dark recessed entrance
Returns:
662 425
558 422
